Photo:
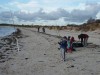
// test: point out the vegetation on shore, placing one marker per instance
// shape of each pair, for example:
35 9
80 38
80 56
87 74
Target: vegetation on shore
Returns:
90 25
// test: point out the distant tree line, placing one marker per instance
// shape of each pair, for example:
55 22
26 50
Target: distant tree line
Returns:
91 24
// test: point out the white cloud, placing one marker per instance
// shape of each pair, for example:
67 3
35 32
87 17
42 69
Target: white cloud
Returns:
81 6
26 6
98 15
78 14
51 1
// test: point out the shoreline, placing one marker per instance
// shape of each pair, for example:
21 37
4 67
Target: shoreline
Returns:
6 31
8 44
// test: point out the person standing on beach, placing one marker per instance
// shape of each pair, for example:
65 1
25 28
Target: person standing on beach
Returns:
84 39
43 29
63 45
38 29
71 41
69 45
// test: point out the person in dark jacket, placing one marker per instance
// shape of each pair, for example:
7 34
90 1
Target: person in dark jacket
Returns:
38 29
43 29
84 39
63 46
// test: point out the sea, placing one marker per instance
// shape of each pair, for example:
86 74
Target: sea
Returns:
4 31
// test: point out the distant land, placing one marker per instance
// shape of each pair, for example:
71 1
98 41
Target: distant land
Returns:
90 25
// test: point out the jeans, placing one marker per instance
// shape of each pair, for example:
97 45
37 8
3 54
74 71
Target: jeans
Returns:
63 53
85 41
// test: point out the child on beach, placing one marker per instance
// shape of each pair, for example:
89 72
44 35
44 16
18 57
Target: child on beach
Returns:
72 40
63 45
69 45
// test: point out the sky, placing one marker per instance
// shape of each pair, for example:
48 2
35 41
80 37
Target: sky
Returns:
48 12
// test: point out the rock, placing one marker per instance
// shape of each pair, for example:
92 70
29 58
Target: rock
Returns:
2 61
40 61
71 66
52 66
44 54
1 45
26 58
7 48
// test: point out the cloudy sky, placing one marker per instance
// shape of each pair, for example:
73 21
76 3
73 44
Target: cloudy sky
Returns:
50 12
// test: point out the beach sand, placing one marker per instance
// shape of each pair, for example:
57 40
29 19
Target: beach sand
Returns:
39 55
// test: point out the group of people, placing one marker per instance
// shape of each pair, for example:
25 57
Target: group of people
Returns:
43 29
67 43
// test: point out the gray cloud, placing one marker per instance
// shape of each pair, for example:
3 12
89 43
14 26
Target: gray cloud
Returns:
76 15
41 15
0 7
5 16
81 15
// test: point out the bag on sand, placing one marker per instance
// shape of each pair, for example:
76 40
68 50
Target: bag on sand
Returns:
77 44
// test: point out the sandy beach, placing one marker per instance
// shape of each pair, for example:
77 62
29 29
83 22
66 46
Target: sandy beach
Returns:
39 55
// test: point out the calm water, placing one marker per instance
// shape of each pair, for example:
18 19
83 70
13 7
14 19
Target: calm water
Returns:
6 31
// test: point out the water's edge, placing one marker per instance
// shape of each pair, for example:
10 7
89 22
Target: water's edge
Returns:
5 31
